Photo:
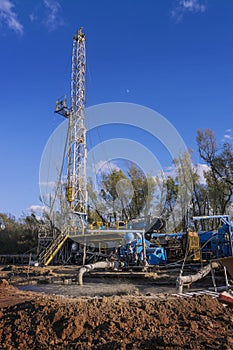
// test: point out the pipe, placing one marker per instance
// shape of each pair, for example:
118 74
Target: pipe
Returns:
144 250
98 265
181 280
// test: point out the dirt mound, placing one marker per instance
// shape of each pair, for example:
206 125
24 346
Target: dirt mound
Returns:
4 284
10 295
117 323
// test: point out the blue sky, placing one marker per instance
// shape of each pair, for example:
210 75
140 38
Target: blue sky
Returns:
174 56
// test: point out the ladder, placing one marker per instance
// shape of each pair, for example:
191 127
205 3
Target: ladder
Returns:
53 248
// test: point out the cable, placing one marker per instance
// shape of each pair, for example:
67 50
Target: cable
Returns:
60 174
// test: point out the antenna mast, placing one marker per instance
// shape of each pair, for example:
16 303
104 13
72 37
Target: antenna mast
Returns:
76 188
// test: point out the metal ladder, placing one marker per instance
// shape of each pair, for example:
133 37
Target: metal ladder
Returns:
53 248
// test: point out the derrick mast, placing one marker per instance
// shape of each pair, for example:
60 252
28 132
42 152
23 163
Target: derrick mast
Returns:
76 190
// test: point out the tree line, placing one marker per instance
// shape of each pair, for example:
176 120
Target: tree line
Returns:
19 236
131 194
213 196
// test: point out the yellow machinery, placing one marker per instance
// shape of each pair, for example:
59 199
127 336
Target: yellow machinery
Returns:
193 246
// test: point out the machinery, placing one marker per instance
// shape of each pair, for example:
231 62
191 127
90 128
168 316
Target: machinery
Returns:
74 217
76 188
216 244
132 243
198 246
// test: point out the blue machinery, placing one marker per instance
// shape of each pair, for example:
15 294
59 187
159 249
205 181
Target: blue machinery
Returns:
133 245
132 253
141 248
216 244
145 249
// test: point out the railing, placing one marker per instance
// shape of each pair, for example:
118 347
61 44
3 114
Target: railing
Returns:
53 248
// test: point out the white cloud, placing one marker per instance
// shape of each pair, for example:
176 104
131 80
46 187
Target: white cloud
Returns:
170 171
8 16
32 17
105 167
200 169
187 6
49 184
47 12
39 209
227 136
53 19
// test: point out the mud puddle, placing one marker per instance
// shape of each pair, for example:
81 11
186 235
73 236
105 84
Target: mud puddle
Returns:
98 289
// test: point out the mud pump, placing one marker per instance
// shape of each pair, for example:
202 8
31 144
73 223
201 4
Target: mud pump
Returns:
136 252
141 249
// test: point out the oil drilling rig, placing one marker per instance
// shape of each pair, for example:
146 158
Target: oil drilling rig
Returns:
136 244
76 227
75 187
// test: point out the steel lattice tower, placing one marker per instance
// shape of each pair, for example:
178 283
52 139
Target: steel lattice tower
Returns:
76 189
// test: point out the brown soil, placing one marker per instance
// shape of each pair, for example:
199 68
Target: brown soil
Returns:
37 321
10 295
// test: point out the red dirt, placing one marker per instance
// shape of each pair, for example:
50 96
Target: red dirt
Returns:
10 295
31 321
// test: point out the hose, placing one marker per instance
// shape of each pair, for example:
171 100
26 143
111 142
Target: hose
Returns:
98 265
181 280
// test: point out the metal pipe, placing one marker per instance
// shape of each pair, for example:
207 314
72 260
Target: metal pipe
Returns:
144 249
98 265
213 279
181 280
226 279
84 252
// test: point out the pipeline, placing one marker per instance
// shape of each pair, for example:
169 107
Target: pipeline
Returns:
181 280
98 265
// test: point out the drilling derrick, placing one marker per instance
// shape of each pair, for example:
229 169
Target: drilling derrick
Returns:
76 190
76 176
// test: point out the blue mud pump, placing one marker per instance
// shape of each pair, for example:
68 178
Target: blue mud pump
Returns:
132 252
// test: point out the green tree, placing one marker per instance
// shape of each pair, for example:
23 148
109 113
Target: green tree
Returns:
220 176
219 193
171 197
184 179
96 205
130 195
109 184
220 159
19 236
200 203
108 191
140 187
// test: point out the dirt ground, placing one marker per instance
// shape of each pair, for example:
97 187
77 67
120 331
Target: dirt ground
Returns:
32 320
